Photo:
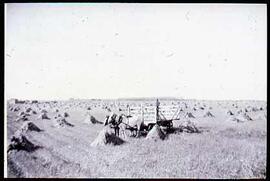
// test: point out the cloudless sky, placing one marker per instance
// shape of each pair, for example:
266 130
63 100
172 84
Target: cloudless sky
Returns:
210 51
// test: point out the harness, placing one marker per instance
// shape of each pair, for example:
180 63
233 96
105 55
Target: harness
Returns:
114 123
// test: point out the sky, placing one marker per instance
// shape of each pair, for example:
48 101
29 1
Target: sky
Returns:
62 51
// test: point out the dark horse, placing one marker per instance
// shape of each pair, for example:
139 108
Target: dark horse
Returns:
113 122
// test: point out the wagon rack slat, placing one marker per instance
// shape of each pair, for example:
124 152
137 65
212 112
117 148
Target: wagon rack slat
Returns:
160 119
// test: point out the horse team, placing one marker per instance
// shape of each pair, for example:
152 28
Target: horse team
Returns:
122 122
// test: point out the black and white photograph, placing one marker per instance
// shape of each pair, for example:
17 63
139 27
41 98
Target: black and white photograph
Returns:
135 90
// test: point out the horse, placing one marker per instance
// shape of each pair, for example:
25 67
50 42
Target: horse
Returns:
114 121
122 122
133 123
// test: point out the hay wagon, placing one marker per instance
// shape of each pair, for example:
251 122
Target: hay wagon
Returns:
157 117
163 120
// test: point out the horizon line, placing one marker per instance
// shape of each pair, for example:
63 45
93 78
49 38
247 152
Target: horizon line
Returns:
139 98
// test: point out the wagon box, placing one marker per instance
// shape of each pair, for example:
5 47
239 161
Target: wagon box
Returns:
151 115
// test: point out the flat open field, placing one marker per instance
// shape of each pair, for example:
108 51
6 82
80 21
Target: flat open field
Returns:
223 149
